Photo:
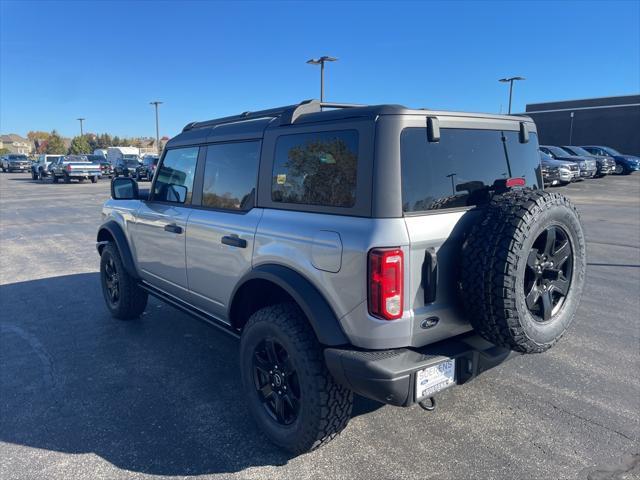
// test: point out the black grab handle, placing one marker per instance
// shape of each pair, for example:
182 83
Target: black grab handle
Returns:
234 241
173 228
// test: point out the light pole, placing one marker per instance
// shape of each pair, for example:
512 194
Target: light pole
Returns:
510 81
321 61
571 130
156 103
81 120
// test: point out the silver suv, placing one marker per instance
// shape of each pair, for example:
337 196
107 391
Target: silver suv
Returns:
376 250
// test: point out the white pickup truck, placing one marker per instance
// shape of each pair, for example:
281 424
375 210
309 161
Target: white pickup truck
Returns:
74 167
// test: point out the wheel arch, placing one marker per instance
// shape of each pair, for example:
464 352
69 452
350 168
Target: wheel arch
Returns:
111 231
276 283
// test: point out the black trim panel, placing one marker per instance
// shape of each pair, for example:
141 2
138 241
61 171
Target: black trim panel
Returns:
188 309
321 316
123 246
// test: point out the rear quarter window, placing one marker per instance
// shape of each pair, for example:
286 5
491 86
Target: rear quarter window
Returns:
317 168
454 172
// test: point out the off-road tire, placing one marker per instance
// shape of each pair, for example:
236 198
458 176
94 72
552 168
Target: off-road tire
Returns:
493 263
325 406
132 299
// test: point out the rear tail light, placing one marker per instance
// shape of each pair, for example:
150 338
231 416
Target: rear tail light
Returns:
386 283
515 182
68 168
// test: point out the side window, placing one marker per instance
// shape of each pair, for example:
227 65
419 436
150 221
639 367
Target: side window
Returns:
316 169
230 176
174 182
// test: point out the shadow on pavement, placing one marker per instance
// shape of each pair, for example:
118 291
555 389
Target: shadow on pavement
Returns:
160 395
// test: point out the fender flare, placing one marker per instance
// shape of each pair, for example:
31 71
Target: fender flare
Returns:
118 235
321 316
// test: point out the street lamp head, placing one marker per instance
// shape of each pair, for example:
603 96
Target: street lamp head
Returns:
155 103
511 79
318 61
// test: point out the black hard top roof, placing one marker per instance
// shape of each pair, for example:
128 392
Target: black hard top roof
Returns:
253 124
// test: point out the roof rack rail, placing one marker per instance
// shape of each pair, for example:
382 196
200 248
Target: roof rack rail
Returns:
288 114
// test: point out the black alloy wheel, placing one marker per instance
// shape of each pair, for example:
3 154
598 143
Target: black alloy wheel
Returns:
112 281
548 274
276 381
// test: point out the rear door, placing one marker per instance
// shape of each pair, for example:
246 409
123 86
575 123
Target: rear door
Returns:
222 226
441 183
161 222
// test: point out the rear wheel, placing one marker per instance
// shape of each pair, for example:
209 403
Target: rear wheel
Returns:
67 179
291 394
94 179
122 294
54 178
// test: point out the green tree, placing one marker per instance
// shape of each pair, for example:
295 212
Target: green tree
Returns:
55 145
79 145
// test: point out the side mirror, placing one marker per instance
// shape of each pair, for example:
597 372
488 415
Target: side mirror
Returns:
124 188
176 193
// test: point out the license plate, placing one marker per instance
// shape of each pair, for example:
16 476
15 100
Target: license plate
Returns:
432 379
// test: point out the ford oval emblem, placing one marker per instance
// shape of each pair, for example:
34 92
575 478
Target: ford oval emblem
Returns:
429 322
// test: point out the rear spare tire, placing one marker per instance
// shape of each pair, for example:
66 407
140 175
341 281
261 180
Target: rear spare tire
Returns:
523 269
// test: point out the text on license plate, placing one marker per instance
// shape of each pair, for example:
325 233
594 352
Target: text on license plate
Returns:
435 378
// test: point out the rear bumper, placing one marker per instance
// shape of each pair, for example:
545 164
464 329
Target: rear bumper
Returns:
388 376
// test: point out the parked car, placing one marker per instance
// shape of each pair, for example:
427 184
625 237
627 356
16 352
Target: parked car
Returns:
625 164
147 168
40 168
125 167
106 169
588 166
15 162
74 167
567 171
605 164
383 251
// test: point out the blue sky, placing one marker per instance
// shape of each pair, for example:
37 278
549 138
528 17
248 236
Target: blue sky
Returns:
106 60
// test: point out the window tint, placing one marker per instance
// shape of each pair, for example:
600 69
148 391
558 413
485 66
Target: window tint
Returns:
174 181
454 172
316 169
230 175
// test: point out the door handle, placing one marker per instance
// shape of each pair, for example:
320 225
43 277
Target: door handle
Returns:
234 241
173 228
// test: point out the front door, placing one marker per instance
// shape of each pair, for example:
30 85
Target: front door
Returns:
161 223
221 232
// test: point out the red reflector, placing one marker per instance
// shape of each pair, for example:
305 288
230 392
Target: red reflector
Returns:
515 182
386 283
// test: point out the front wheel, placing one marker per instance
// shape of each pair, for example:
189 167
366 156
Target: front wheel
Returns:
122 294
291 394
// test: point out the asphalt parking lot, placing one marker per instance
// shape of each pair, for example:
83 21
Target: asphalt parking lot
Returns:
83 396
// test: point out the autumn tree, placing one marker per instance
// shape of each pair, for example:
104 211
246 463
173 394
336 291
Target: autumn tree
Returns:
55 145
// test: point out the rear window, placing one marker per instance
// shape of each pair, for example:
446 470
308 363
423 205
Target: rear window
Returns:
316 169
454 172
